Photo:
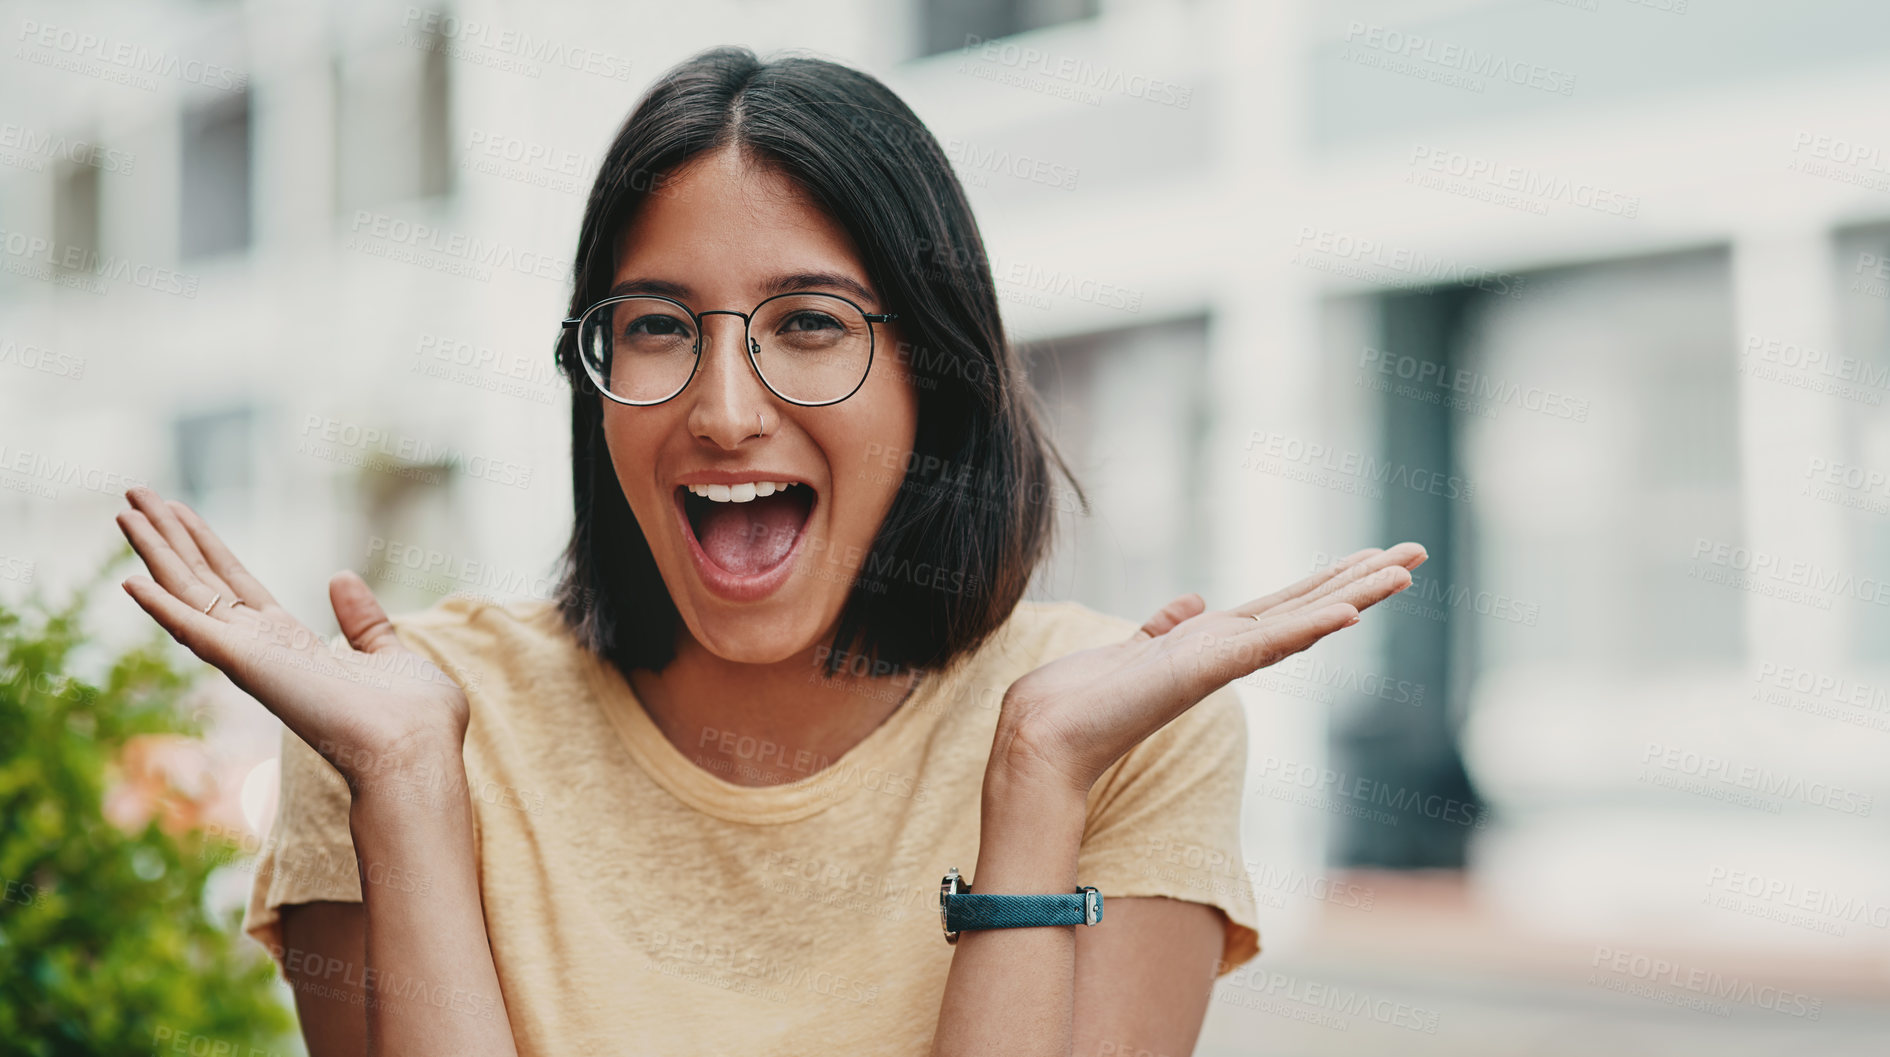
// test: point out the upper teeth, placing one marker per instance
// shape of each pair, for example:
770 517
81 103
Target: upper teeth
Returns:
738 493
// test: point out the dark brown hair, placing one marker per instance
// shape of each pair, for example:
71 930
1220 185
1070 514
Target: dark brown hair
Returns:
974 514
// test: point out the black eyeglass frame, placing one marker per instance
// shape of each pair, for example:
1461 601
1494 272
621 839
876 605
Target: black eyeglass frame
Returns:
749 345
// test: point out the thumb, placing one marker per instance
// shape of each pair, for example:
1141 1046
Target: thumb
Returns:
361 617
1183 608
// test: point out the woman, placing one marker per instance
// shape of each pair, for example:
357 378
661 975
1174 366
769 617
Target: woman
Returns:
702 803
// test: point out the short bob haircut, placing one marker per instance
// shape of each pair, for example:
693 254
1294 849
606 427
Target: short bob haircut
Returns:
975 512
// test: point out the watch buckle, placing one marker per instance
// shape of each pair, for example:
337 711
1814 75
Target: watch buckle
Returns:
952 885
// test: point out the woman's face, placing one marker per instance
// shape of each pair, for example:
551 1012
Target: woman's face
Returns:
757 581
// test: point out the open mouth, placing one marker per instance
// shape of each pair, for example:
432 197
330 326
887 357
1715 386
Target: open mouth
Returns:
744 531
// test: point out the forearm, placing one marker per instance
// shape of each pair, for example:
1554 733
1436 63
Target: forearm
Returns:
1013 991
432 987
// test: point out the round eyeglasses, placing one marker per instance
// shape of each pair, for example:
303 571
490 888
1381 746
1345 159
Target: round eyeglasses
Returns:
808 349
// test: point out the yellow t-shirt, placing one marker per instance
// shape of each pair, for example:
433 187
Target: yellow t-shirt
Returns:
637 902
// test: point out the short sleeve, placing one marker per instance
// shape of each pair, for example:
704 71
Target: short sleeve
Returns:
308 856
1165 821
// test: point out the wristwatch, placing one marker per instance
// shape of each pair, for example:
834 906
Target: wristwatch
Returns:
959 909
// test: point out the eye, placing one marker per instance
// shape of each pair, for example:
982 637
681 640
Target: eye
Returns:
655 325
808 319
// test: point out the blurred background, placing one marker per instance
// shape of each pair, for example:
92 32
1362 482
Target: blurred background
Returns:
1592 297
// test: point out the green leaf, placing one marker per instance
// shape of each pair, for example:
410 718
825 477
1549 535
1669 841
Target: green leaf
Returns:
105 942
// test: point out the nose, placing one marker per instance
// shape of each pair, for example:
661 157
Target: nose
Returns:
727 398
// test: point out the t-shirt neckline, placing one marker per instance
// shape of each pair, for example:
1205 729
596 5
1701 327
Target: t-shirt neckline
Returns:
702 790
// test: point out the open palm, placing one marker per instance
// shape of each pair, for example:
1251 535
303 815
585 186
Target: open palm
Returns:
360 704
1080 713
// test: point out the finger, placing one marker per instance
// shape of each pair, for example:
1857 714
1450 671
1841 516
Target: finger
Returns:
1403 556
1188 605
164 519
360 615
248 588
1351 567
1277 638
198 633
1302 587
1374 588
165 566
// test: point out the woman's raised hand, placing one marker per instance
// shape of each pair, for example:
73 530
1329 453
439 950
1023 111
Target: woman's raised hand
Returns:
1070 719
366 705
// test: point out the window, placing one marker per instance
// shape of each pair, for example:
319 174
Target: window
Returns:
1127 409
214 469
1855 382
216 186
1560 442
404 515
75 215
946 25
1648 344
391 125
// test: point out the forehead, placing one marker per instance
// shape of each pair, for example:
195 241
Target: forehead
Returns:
726 217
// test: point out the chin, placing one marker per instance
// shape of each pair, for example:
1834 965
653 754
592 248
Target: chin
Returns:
752 639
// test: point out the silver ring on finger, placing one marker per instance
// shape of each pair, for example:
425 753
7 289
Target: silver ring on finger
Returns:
212 603
234 602
1257 618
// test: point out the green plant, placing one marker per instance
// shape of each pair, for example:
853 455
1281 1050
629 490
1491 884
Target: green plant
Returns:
106 945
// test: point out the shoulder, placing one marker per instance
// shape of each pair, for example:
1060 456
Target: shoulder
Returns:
465 617
474 638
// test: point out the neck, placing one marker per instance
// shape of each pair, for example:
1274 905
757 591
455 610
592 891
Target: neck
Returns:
764 724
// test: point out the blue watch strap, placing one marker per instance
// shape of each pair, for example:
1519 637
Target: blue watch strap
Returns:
960 909
970 910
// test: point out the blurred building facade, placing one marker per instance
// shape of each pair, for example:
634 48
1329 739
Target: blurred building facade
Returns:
1588 296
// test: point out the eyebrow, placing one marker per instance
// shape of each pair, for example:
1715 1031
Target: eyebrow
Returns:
780 284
